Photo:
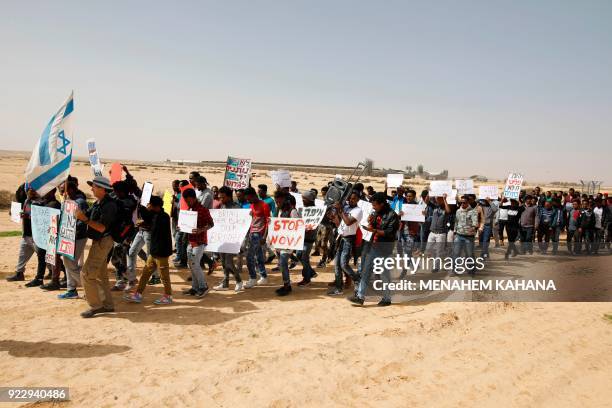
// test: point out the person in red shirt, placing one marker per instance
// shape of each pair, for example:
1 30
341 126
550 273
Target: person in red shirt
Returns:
260 211
197 244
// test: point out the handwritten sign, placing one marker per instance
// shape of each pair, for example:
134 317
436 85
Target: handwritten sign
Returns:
395 180
464 187
367 210
187 221
491 192
319 202
413 212
147 191
41 218
312 216
231 226
440 187
237 173
16 212
96 166
52 240
67 232
281 177
167 199
452 199
115 173
286 233
512 189
299 202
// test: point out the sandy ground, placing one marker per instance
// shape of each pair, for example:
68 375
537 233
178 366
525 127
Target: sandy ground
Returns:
307 349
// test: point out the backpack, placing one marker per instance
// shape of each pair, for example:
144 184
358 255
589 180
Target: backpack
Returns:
123 226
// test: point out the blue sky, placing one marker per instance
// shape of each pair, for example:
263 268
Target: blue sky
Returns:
475 86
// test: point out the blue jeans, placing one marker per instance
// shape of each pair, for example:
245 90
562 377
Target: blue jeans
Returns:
376 250
255 256
304 255
405 244
464 243
485 237
180 245
283 265
343 257
141 239
194 256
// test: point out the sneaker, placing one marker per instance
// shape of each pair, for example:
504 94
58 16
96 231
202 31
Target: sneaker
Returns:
284 290
314 275
250 283
384 303
189 278
131 285
221 286
212 267
202 292
262 281
154 281
133 297
164 300
17 277
270 259
119 286
321 264
34 282
335 292
292 265
69 294
303 283
92 312
190 292
356 300
53 285
239 287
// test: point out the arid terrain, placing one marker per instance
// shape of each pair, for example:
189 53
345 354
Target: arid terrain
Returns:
306 349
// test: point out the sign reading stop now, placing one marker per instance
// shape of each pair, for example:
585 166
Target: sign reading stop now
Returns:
286 233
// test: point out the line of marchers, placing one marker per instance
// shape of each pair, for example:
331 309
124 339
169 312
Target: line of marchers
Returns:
468 285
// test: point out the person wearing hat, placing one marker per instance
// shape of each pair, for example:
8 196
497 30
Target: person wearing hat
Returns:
99 219
308 197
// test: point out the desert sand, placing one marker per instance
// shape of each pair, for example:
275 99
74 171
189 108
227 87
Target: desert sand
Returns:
307 349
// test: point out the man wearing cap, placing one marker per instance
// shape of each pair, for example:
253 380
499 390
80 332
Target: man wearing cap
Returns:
99 220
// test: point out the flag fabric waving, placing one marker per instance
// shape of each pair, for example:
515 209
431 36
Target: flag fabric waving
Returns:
50 162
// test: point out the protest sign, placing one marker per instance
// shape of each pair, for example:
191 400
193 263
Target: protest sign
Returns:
187 221
299 202
281 177
394 180
167 199
147 191
52 240
464 187
231 226
319 202
491 192
41 217
16 212
116 172
67 232
413 212
237 173
286 233
512 189
452 199
366 209
438 188
312 216
96 166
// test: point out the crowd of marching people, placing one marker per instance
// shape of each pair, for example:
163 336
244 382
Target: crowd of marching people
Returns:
120 230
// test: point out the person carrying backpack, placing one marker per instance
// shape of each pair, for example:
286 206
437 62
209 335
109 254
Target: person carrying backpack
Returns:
122 232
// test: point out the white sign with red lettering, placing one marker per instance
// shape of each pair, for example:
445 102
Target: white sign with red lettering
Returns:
513 186
286 233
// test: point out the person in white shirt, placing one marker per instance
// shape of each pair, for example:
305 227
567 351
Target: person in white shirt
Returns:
347 219
599 230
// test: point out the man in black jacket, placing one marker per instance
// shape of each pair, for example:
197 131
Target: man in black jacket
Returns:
161 249
383 225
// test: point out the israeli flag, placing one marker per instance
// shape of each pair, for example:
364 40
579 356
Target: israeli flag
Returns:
49 165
